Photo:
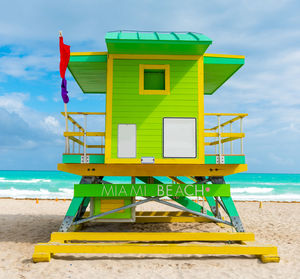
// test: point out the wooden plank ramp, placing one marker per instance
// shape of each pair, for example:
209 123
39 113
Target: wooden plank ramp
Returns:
153 243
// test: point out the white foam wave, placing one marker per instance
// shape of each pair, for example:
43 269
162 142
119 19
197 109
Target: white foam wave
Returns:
266 183
251 190
63 193
34 180
282 197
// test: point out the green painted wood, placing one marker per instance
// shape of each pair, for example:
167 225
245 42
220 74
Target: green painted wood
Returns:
229 205
88 58
215 75
210 159
71 159
211 202
154 79
157 43
90 76
74 206
76 159
223 60
154 190
234 159
126 214
148 111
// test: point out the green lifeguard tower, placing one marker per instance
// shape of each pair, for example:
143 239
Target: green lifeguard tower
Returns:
156 133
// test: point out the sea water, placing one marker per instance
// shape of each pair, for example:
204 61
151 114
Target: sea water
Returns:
55 184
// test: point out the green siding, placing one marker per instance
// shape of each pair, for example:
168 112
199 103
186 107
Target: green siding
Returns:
148 111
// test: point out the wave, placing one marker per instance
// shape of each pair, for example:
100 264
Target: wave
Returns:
251 190
33 180
289 197
265 183
64 193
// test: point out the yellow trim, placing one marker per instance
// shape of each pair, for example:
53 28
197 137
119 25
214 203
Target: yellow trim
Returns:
142 69
200 120
158 57
170 219
88 53
225 135
226 114
95 134
84 113
151 236
76 134
224 55
108 119
189 169
157 161
43 251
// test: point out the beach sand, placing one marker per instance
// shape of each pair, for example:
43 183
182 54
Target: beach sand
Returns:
23 223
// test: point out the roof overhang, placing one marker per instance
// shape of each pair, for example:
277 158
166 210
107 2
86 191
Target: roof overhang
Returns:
218 68
89 70
168 43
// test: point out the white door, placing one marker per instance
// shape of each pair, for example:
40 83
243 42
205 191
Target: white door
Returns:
126 141
179 138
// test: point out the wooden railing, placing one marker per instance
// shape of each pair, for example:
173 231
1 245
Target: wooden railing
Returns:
220 136
79 137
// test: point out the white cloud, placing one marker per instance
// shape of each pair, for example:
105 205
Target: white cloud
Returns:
52 124
41 98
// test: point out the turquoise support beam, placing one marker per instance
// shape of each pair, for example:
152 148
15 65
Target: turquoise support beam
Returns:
74 206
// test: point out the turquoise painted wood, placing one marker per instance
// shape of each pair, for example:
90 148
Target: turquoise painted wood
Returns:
74 206
76 159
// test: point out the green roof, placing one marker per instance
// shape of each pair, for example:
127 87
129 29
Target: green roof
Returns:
217 70
171 43
89 71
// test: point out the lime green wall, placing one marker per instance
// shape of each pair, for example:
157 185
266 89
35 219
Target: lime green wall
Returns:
148 111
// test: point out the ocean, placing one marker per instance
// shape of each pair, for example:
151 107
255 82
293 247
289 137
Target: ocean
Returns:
55 184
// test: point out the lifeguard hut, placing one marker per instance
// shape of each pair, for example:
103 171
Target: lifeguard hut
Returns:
156 133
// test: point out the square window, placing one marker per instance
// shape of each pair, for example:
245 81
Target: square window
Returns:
154 79
179 137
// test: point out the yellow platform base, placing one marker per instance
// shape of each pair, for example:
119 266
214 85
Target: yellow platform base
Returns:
128 243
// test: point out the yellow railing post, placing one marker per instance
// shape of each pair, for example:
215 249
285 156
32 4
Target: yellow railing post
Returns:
84 139
241 130
67 149
219 137
231 143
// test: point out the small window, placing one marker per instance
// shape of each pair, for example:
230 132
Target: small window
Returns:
154 79
126 141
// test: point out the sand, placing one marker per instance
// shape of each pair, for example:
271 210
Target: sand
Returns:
23 223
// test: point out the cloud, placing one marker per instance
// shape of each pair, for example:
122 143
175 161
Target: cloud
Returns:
24 128
28 67
266 87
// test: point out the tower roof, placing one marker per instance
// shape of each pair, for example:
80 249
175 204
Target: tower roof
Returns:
156 42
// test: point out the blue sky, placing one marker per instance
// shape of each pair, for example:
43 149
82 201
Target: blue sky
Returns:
267 87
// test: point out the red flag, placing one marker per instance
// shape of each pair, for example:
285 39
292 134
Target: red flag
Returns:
64 57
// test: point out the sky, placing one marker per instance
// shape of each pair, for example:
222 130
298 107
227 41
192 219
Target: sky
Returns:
266 87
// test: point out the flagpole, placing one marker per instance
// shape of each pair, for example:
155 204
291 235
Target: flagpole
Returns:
67 148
